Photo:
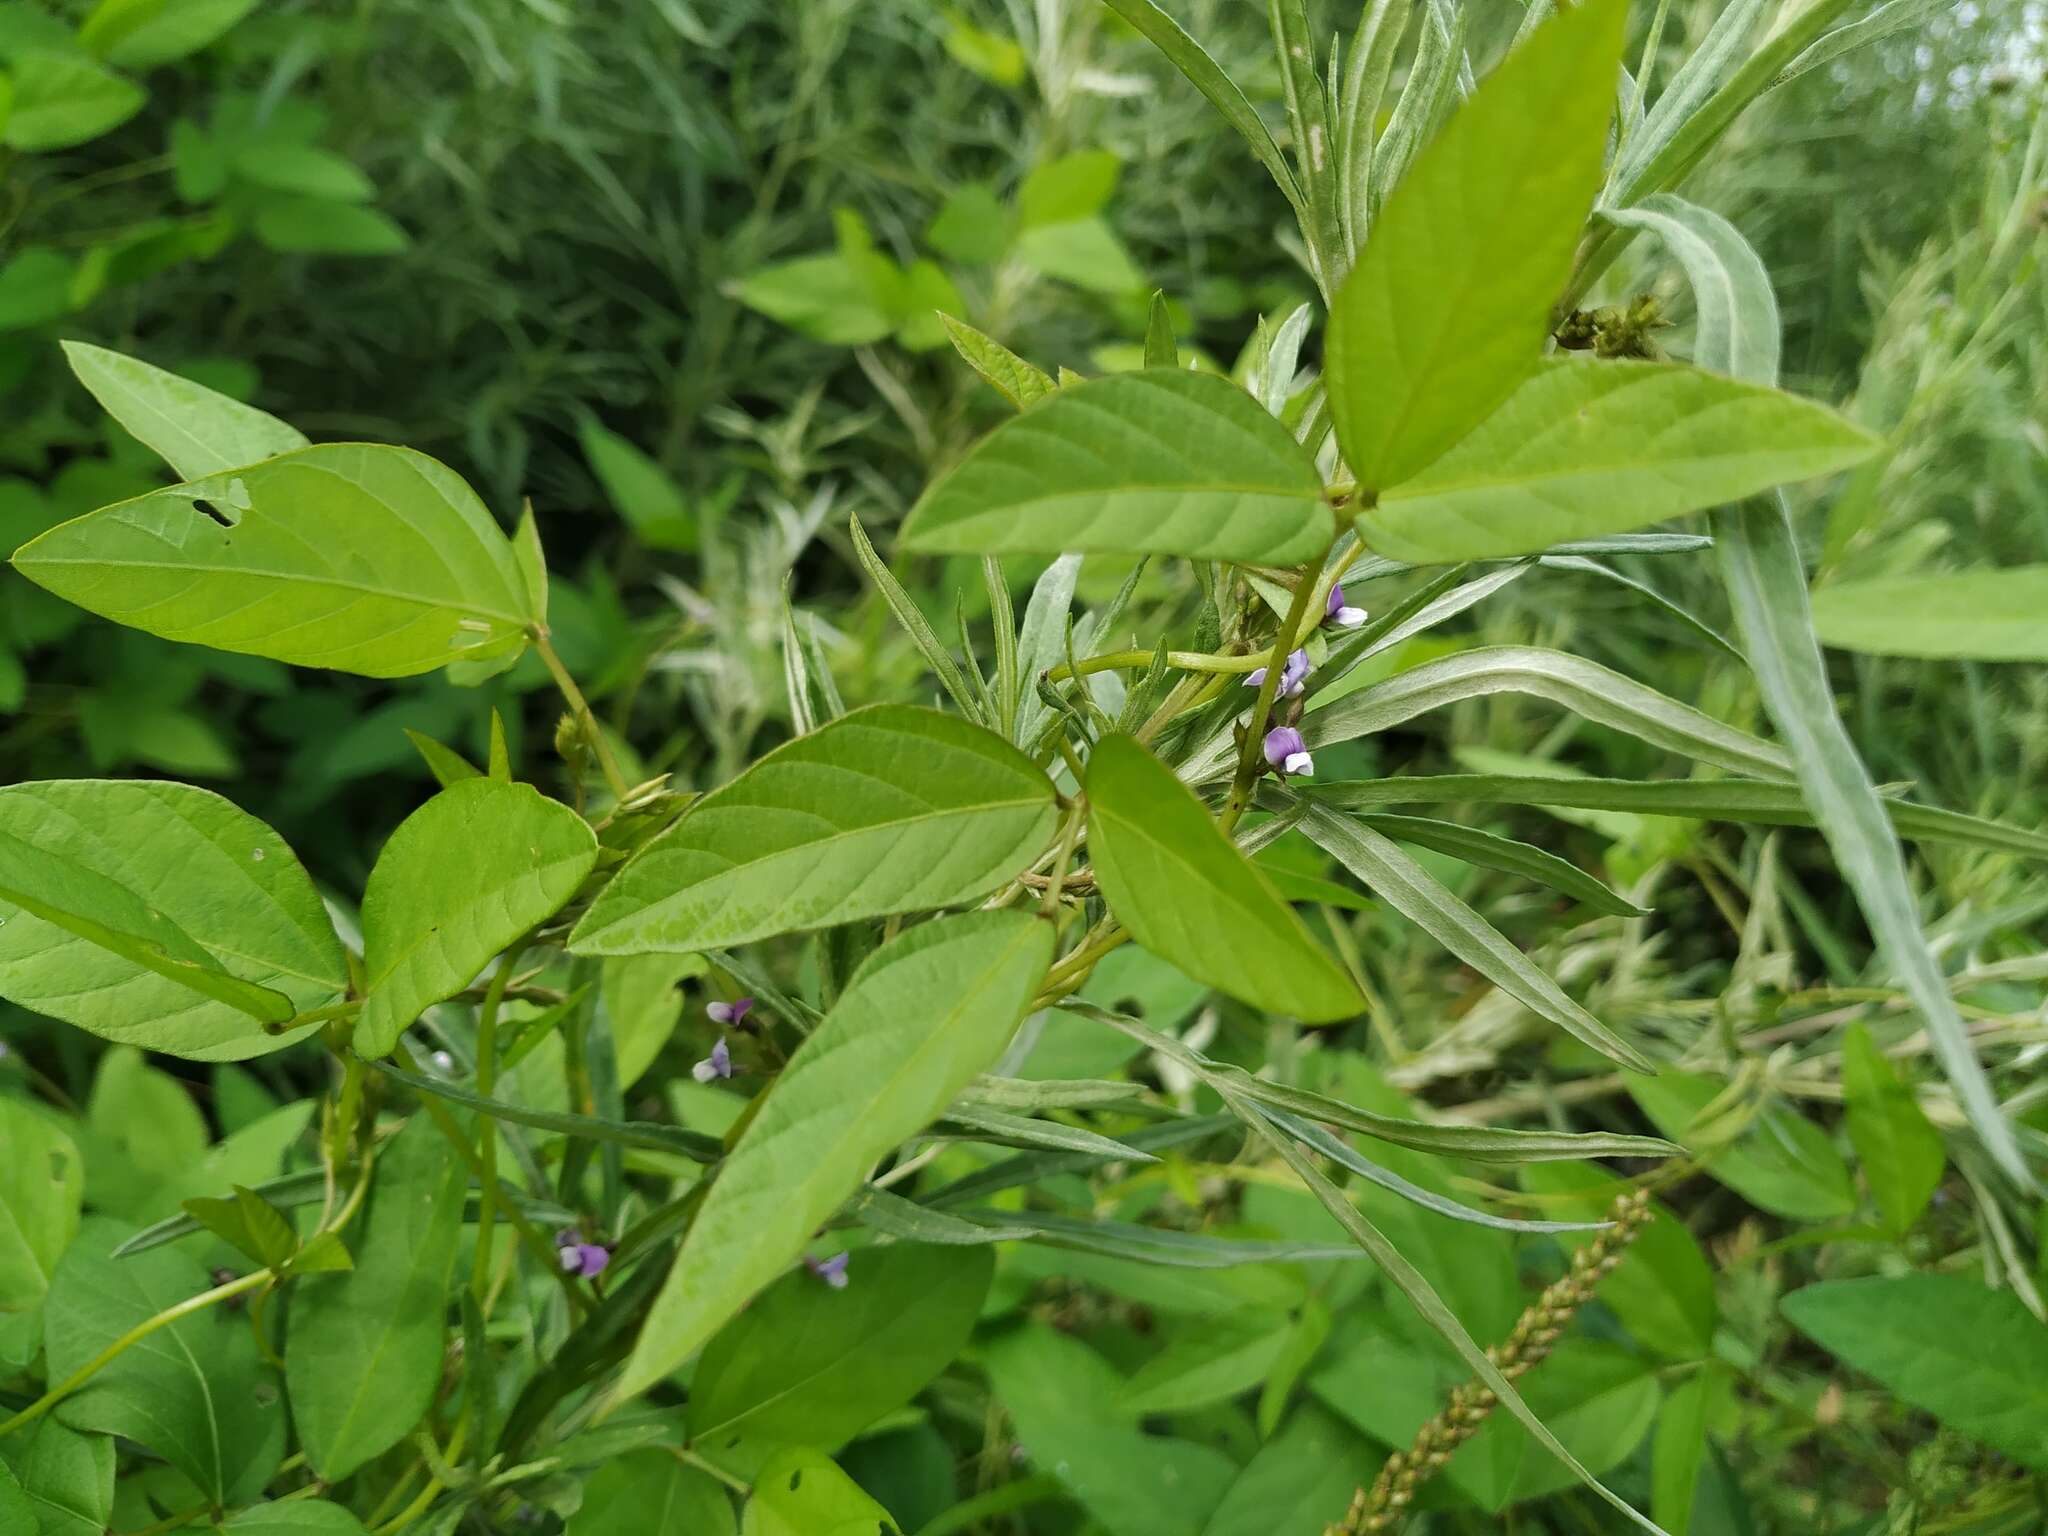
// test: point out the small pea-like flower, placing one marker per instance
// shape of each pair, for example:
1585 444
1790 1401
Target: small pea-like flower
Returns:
717 1064
1287 752
1292 676
1341 614
832 1271
731 1013
584 1260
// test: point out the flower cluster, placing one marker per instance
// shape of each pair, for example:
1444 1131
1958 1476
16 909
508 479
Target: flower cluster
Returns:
584 1260
1286 751
719 1063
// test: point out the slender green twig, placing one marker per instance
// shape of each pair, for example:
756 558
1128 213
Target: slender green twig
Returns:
487 1128
1248 755
580 707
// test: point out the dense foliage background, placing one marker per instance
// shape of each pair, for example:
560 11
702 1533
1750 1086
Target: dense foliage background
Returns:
619 260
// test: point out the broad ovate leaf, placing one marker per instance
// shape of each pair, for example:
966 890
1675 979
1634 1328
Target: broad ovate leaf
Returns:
1162 461
159 915
1449 304
650 1493
198 1392
886 810
354 556
1188 894
920 1018
1989 615
805 1493
198 431
480 864
1586 447
1973 1357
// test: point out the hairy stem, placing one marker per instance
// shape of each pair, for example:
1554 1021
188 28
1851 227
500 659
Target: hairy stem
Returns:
1248 755
580 707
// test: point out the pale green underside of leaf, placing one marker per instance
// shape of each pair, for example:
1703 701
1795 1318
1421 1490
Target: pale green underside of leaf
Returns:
890 809
1450 301
1745 800
1163 461
470 871
42 1183
1997 615
920 1018
197 431
155 903
1189 895
1584 448
1584 687
353 556
802 1492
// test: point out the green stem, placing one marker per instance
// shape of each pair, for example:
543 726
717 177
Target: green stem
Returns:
127 1341
487 1128
1186 661
1248 755
1069 835
580 707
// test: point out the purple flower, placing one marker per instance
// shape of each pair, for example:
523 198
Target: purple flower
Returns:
717 1064
1287 752
832 1271
1340 615
584 1260
1292 676
729 1013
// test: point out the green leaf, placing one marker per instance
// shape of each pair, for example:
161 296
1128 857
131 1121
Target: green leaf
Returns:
42 1188
314 226
141 34
651 1492
1084 252
643 1002
196 1391
300 1517
1017 381
809 1365
1975 1358
1997 615
1210 1364
1586 447
914 623
1187 893
1162 461
36 286
62 99
1301 1479
920 1018
652 504
1597 1397
1663 1289
15 1509
1584 687
480 864
1489 850
448 766
1778 805
248 1223
886 810
1780 1160
198 431
347 555
825 297
1061 1397
158 914
301 168
1409 889
1898 1146
804 1493
363 1352
1073 186
1678 1452
1434 327
68 1477
1735 327
1759 558
653 1134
